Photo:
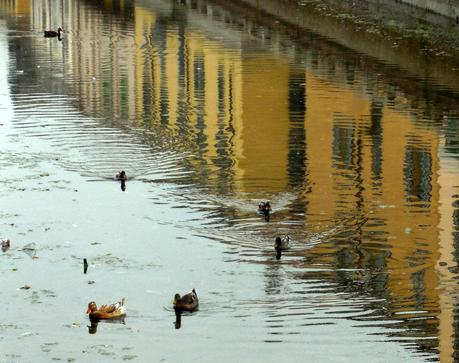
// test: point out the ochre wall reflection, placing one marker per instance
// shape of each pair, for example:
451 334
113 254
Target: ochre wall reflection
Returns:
14 7
264 131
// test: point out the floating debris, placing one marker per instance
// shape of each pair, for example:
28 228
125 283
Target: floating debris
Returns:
30 249
90 282
25 287
85 265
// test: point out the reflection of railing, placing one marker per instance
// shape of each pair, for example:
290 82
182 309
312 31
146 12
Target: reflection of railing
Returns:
445 8
298 21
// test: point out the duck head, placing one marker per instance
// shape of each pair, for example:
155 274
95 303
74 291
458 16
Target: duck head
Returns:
121 175
176 298
278 242
91 307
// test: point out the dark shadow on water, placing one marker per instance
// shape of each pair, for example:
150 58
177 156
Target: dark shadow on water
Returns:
92 329
178 319
178 316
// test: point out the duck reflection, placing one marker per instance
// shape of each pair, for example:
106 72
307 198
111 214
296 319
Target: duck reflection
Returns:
123 185
92 329
178 318
275 279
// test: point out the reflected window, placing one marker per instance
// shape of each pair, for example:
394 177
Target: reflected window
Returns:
342 147
221 90
297 132
198 70
452 135
376 136
418 172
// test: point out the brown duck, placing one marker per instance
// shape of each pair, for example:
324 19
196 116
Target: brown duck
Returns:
188 302
121 176
113 311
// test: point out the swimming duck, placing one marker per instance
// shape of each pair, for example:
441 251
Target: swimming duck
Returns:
281 244
113 311
264 207
53 33
121 176
5 245
188 302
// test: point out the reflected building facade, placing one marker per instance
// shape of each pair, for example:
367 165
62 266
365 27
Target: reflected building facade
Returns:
262 122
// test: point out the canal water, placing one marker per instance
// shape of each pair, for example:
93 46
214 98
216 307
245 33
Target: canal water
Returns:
210 109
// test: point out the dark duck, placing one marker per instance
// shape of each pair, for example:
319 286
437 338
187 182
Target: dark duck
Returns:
188 302
122 177
281 244
265 209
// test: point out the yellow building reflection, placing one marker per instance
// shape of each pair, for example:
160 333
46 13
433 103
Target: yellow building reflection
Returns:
15 7
352 153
